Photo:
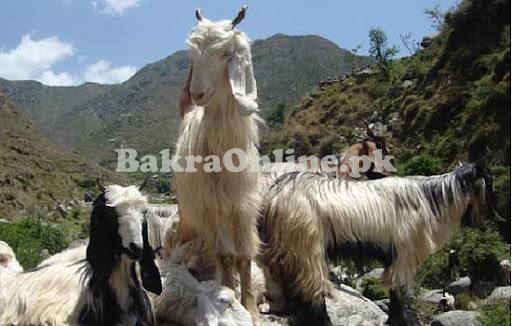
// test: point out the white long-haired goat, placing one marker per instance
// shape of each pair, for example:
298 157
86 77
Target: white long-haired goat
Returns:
102 290
219 108
400 221
8 258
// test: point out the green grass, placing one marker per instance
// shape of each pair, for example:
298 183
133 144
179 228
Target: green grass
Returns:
29 236
496 315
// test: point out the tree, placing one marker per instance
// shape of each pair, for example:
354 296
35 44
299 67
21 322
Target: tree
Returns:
436 15
276 114
380 50
353 59
411 45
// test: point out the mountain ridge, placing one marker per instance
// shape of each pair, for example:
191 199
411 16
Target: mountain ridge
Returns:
142 112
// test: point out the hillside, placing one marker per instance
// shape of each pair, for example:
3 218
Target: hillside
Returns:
449 101
142 113
36 174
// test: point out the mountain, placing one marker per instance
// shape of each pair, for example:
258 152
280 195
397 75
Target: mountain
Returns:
142 113
36 174
449 101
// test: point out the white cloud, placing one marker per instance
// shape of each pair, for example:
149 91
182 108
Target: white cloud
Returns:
51 79
36 59
33 59
114 7
101 72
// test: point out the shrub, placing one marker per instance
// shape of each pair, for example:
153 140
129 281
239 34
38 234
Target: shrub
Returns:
501 175
433 272
373 290
422 164
29 236
462 300
480 253
496 315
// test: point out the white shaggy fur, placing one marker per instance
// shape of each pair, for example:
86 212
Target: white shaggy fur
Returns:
8 258
222 206
66 288
67 256
187 301
45 296
158 216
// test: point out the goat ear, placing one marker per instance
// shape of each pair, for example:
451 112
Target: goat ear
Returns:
100 251
185 101
242 81
150 274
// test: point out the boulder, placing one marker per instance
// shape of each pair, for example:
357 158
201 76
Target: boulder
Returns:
425 43
456 318
408 83
376 274
383 304
499 294
273 320
348 307
461 285
432 296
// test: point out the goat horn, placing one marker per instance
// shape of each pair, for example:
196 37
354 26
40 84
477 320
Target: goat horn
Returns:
240 16
199 16
143 184
100 184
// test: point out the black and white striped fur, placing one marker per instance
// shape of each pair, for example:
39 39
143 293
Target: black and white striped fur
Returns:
400 221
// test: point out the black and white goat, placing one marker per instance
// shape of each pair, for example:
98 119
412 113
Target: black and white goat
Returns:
400 221
102 290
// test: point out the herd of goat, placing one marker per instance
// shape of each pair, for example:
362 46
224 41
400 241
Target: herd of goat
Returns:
233 248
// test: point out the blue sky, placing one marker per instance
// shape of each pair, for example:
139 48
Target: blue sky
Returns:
68 42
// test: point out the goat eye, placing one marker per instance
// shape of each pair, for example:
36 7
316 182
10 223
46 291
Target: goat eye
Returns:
227 54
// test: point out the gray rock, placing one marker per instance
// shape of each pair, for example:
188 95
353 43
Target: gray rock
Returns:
273 320
383 304
408 83
432 296
500 293
457 318
78 243
3 220
482 289
348 307
425 43
62 209
376 274
461 285
472 305
364 74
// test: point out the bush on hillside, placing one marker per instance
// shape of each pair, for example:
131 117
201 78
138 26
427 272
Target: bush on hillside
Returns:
29 236
494 315
422 164
480 253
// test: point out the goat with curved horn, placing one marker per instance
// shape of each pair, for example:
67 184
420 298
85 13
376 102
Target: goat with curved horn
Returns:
240 16
219 110
199 16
